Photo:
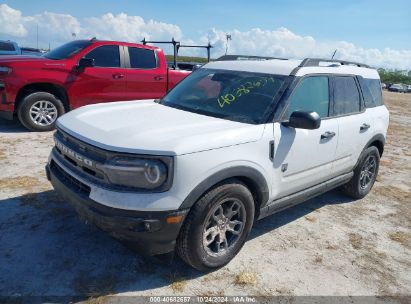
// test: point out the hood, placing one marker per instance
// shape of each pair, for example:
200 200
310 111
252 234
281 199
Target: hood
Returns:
20 58
145 127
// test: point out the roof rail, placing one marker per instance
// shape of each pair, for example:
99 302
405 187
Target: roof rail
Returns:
307 62
246 57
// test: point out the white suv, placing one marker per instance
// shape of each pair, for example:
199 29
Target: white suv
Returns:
232 143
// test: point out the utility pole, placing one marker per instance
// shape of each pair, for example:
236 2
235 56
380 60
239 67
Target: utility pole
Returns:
227 37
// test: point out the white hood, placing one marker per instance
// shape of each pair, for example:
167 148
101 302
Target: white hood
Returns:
145 127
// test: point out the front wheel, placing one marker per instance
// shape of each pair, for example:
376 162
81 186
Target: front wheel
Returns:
217 226
39 111
365 174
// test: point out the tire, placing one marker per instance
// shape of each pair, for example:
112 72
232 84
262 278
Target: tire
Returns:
229 198
44 104
356 188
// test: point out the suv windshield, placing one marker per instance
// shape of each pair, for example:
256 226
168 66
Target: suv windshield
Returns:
67 50
234 95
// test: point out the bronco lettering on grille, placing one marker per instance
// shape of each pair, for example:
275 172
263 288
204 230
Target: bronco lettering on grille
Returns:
74 155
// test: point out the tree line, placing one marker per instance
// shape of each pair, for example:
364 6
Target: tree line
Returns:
394 77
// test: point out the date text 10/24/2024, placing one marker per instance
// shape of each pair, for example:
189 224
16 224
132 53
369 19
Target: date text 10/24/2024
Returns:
203 299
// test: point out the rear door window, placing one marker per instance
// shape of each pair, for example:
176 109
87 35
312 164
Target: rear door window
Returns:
142 58
107 56
310 94
346 96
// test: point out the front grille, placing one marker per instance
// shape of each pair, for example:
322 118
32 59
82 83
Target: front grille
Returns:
71 182
72 153
86 150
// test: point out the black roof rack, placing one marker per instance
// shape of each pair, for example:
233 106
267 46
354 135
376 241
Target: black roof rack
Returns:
307 62
315 62
246 57
177 45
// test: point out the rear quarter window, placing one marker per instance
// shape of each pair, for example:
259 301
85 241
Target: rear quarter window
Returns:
372 92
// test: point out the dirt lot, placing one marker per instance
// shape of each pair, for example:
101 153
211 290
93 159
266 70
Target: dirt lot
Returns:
329 245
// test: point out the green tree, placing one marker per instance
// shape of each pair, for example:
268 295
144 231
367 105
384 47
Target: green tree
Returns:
394 77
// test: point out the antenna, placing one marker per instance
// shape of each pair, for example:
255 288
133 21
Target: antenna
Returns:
332 57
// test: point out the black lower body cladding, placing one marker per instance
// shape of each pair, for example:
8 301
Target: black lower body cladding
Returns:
148 232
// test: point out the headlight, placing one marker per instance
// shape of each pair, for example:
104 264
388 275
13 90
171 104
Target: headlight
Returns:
143 173
5 70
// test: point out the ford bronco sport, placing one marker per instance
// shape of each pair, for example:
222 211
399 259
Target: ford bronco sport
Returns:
232 143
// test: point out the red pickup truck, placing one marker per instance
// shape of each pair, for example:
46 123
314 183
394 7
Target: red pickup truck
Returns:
40 89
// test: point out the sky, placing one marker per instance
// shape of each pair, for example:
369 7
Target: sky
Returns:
370 31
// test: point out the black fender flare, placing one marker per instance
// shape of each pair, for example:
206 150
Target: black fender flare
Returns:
252 177
379 138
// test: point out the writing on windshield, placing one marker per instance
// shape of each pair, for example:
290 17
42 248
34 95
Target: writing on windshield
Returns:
243 89
233 95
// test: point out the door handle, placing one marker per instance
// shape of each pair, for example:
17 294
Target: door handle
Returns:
364 127
118 76
158 78
327 135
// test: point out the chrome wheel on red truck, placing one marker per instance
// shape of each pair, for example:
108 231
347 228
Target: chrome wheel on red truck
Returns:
39 111
43 113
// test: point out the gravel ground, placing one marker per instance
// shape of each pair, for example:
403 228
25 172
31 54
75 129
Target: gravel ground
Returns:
328 246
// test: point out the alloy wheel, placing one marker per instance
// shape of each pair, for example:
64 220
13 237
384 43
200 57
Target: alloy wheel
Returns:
368 171
43 113
224 226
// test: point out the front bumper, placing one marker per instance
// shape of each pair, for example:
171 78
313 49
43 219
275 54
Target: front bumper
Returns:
148 231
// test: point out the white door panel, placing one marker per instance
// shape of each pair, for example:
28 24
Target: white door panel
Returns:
301 158
353 137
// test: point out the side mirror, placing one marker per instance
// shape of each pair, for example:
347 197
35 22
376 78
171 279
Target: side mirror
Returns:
85 63
304 120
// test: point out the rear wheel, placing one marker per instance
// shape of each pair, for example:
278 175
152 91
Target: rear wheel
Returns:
365 174
39 111
217 226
